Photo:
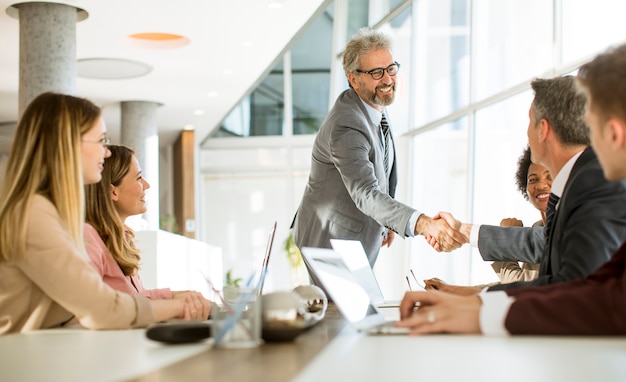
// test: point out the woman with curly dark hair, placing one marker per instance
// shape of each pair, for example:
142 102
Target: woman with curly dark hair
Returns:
534 182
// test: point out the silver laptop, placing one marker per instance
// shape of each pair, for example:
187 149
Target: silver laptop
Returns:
356 259
346 292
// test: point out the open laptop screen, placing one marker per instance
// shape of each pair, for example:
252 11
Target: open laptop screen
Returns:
339 281
356 260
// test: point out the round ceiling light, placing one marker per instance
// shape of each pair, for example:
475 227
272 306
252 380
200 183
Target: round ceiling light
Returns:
157 40
111 68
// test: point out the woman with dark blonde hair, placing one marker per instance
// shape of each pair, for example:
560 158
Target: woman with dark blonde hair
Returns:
109 241
45 277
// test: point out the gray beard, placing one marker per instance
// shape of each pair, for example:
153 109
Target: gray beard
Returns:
385 101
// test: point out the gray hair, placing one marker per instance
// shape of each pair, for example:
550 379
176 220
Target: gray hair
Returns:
366 40
559 101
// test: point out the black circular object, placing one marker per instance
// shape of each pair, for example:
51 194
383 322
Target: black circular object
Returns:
180 333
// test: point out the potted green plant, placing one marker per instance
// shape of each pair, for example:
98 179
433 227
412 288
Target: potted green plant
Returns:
231 286
295 260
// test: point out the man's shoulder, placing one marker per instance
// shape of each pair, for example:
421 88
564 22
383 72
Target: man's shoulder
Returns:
348 99
588 174
348 109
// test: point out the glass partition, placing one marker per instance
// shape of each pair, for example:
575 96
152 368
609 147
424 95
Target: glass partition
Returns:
440 182
588 26
513 42
441 58
399 29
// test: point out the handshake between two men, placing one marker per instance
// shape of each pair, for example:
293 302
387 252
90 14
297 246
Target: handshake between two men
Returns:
443 232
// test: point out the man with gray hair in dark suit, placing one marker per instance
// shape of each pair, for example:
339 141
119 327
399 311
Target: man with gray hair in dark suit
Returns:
586 213
591 306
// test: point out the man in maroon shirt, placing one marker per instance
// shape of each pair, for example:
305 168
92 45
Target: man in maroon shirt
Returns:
595 305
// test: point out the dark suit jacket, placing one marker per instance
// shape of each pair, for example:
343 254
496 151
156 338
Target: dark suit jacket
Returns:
348 195
592 306
589 226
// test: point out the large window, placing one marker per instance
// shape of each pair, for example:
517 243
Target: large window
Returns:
512 42
440 182
262 113
590 25
441 58
400 29
500 139
259 114
311 58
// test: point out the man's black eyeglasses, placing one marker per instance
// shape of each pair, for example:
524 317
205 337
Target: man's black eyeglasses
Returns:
378 73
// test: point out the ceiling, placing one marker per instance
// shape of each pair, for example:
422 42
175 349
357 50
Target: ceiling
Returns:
232 44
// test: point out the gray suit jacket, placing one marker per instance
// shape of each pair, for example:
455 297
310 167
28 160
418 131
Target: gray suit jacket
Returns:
348 195
589 226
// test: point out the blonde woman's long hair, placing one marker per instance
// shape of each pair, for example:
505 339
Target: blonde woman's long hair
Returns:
45 159
102 214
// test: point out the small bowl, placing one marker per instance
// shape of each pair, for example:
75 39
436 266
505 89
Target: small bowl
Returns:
284 317
314 299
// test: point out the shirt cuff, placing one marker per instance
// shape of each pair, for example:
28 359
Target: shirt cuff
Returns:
493 312
410 225
474 235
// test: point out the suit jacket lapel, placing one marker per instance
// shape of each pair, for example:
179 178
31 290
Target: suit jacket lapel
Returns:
375 132
393 175
546 261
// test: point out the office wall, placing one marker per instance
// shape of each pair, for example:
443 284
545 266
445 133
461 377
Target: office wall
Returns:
245 187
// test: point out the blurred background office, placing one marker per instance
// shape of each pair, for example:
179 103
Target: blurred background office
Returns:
460 116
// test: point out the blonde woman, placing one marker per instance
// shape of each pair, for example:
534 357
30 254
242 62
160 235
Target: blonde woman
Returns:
109 242
46 280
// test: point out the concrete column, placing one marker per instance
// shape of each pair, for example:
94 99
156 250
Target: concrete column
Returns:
47 48
139 131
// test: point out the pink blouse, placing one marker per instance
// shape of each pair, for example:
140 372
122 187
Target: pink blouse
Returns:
112 274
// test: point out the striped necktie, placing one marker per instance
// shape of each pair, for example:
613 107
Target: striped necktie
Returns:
384 126
552 201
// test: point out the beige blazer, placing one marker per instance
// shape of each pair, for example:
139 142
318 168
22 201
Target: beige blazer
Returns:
53 284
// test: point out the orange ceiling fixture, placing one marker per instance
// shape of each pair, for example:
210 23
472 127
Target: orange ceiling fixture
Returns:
158 40
156 36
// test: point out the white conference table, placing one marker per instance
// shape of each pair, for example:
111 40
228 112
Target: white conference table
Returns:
84 355
332 351
351 357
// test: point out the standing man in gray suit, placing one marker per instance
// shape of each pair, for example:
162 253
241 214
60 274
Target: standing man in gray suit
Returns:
585 223
352 183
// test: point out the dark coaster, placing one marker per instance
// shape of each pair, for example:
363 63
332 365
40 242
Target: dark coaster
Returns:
179 333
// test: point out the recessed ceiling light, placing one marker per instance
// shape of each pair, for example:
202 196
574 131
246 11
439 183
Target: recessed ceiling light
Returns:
158 40
198 112
188 127
276 4
212 94
228 71
111 68
247 43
